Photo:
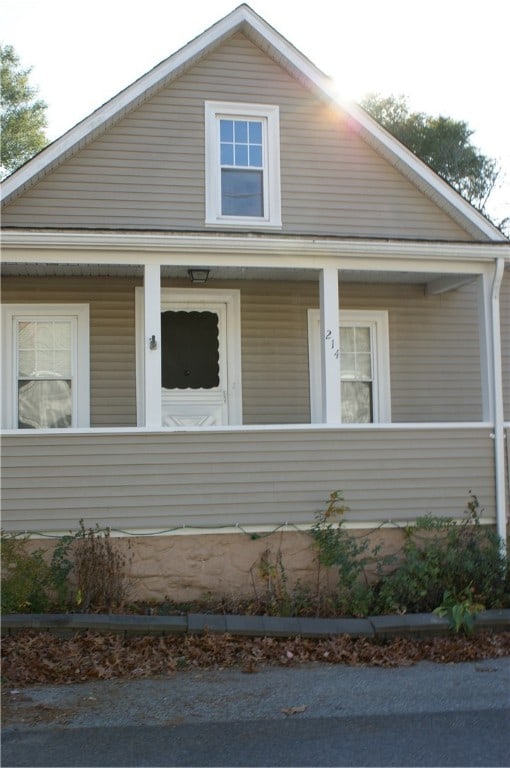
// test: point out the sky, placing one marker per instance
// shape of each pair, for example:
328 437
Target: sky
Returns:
449 57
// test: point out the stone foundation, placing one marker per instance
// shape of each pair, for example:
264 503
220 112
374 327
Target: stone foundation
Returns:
230 565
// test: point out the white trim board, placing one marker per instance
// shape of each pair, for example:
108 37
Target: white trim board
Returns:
25 246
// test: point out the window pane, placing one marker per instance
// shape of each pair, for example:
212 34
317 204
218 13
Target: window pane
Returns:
255 133
347 339
241 154
45 363
62 363
227 130
356 402
26 362
364 366
241 131
356 357
348 365
26 335
256 156
44 336
362 339
62 335
44 373
44 349
44 404
227 154
241 193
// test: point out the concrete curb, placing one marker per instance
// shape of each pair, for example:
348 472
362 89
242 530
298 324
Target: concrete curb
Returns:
379 627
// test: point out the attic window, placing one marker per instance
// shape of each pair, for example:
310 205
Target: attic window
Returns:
242 165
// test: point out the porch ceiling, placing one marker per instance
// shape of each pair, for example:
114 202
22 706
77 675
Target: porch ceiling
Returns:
180 272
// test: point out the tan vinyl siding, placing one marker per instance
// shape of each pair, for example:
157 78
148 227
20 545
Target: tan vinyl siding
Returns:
434 347
275 351
434 350
112 337
163 480
147 171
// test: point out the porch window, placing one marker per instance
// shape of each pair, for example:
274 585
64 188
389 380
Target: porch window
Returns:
45 382
364 367
242 164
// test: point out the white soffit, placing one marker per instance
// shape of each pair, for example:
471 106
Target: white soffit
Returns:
268 39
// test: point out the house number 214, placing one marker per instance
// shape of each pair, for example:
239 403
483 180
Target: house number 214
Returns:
329 337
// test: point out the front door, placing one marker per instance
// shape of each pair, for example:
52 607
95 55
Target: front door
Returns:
194 370
200 356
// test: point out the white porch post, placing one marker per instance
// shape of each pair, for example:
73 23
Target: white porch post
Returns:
330 346
152 345
485 340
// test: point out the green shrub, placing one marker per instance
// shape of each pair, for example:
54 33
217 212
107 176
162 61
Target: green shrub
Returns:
86 572
441 556
26 577
350 556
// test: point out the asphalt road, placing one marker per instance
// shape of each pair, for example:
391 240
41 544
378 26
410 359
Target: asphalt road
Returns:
424 715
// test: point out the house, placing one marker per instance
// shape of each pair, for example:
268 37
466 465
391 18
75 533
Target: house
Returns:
226 294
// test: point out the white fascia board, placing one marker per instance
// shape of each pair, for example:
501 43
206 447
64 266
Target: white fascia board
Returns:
138 248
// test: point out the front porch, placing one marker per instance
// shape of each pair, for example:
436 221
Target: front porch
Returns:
433 409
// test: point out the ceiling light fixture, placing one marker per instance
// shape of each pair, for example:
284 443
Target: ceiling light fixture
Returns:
198 275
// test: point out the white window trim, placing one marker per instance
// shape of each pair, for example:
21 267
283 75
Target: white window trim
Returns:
378 321
272 195
81 365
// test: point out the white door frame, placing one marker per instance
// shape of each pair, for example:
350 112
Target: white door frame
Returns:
231 300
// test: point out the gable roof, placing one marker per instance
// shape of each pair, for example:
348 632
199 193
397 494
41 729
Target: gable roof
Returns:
245 20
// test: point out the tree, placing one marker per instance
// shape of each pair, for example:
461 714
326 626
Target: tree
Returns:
23 117
443 143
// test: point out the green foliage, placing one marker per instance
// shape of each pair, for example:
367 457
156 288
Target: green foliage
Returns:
61 568
461 609
23 117
350 556
441 142
441 556
86 572
26 577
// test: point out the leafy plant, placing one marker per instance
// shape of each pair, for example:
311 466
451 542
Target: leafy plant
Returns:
86 571
442 557
26 577
61 568
349 555
460 608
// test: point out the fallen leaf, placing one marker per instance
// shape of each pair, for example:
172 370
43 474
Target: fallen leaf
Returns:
293 710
